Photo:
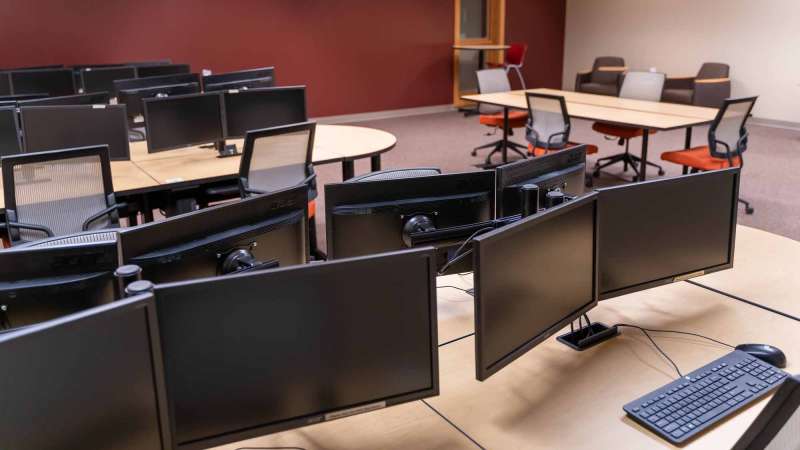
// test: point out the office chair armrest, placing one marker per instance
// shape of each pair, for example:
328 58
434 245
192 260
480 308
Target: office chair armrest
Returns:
30 226
98 215
550 139
679 83
582 77
711 92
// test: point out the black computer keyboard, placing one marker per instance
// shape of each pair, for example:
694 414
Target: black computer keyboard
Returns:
689 405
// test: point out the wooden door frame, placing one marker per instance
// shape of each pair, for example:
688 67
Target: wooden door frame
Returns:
496 34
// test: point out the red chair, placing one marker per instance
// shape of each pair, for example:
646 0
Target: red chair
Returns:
515 58
727 141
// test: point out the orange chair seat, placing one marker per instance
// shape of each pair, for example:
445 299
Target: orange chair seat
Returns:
698 158
312 208
539 151
618 130
516 119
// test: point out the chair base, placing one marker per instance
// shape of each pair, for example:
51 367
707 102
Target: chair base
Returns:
497 147
749 210
627 159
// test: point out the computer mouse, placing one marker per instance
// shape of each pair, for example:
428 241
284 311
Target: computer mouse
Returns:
766 353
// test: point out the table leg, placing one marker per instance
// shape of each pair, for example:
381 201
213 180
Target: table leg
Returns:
688 143
643 163
375 163
348 170
481 58
147 210
133 219
504 148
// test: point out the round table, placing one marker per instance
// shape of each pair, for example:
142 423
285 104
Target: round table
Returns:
347 143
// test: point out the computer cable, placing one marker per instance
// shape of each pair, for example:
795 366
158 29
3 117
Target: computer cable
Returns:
643 330
457 255
452 287
456 339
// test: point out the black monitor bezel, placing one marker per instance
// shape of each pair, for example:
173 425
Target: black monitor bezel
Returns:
239 85
86 70
101 97
179 67
161 80
15 118
699 271
145 106
126 156
157 357
481 372
226 94
298 422
238 75
51 70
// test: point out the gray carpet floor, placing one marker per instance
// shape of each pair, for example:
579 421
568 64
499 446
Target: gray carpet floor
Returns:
770 177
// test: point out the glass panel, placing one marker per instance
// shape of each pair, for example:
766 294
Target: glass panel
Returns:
473 19
467 66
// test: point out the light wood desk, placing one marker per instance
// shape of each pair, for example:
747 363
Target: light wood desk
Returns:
656 116
127 177
332 144
764 271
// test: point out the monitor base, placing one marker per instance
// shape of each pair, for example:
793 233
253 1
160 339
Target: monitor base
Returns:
587 337
227 150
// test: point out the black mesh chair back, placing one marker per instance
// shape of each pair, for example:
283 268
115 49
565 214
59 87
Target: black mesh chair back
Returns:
548 121
277 158
58 193
727 136
394 174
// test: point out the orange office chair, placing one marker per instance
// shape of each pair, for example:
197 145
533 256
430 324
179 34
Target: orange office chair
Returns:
515 59
640 86
491 81
727 141
549 126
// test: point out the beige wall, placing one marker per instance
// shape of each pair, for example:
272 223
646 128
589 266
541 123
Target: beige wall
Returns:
760 40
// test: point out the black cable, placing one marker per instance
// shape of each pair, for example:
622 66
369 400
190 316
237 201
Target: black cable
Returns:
456 339
681 332
680 375
453 287
453 425
453 261
457 256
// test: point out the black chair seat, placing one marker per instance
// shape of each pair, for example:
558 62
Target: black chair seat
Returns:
599 88
683 96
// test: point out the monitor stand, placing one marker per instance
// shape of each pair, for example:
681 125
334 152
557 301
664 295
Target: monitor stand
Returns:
225 150
588 336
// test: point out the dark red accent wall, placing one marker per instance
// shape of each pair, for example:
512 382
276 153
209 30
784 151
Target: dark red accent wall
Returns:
354 55
540 23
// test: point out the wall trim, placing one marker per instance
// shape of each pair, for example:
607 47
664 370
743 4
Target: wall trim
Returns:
389 114
773 123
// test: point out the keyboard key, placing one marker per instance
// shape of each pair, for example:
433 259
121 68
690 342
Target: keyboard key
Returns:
671 427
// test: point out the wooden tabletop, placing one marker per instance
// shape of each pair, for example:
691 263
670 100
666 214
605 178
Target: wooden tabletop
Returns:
480 47
764 271
631 104
555 397
606 114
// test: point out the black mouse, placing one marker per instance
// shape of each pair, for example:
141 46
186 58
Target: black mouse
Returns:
766 353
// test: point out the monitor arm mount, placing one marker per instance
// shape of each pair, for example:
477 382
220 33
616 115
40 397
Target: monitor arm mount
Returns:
225 150
241 260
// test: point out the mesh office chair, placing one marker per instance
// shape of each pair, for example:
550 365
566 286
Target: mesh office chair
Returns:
604 78
393 174
280 158
727 142
639 86
492 81
710 87
59 192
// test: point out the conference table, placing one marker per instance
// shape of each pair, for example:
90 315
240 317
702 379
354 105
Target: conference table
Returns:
148 176
647 115
554 397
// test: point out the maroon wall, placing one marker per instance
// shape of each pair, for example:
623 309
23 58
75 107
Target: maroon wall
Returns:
354 55
541 24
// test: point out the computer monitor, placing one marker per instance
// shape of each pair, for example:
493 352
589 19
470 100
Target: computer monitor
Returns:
158 62
5 83
532 278
94 379
255 109
16 98
58 127
132 98
96 98
183 120
254 83
254 354
55 277
159 70
9 132
54 82
166 80
563 169
251 234
248 74
667 230
367 217
777 427
101 79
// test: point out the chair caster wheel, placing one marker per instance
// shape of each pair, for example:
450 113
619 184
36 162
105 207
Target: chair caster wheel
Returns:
474 153
661 173
749 210
596 174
